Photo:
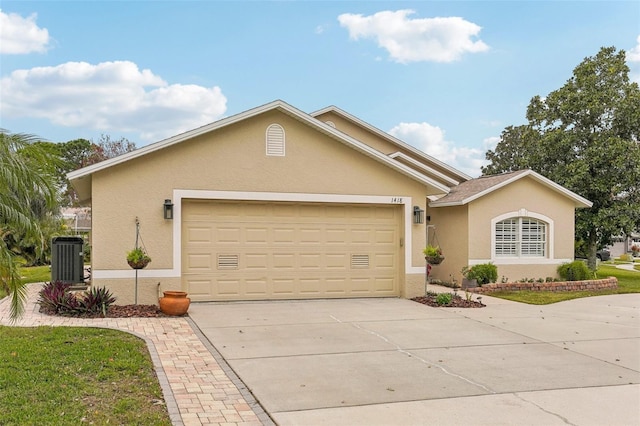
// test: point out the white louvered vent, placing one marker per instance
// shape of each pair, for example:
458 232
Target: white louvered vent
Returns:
359 261
331 123
227 261
275 140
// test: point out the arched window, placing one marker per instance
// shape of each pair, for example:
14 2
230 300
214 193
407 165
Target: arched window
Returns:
275 140
520 237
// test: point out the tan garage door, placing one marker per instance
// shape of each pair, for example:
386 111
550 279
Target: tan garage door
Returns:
256 250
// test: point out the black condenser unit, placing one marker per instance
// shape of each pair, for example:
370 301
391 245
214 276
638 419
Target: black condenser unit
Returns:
67 260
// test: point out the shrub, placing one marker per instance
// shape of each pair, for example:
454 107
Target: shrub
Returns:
444 298
97 300
56 297
483 273
575 271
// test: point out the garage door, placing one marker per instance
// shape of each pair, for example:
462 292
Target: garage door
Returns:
268 250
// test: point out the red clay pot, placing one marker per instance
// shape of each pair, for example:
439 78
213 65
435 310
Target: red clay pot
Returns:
174 303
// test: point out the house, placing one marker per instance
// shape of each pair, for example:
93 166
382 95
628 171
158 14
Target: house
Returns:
275 203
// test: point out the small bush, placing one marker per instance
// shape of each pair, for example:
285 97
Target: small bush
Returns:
483 273
55 297
575 271
444 298
96 301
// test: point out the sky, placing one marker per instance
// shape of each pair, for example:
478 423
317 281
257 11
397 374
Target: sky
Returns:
444 76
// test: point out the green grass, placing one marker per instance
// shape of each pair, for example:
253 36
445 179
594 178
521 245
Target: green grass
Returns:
628 282
71 376
34 274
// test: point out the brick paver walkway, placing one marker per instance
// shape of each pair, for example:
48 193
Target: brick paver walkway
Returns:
197 387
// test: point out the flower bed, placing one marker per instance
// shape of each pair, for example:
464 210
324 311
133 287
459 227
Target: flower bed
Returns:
606 283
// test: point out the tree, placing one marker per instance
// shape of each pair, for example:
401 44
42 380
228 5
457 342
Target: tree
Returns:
80 153
27 191
586 137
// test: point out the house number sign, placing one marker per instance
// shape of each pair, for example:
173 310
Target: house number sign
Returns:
396 200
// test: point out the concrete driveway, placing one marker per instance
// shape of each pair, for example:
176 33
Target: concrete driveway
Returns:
397 362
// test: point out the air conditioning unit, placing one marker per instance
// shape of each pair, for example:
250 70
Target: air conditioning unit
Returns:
67 260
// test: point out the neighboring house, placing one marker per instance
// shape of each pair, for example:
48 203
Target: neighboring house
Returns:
77 219
275 203
622 244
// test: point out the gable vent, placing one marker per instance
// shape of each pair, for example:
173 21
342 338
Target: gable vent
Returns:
359 261
275 140
227 261
331 123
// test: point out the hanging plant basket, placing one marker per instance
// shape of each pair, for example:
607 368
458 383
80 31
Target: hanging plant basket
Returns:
139 264
434 260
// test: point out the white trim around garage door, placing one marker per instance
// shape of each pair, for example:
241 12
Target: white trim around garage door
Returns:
181 194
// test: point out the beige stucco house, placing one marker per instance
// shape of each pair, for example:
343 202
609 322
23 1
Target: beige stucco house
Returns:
276 203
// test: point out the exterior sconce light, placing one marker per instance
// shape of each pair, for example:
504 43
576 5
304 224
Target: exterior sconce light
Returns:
168 209
418 215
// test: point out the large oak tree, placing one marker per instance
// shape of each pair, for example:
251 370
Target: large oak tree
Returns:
585 136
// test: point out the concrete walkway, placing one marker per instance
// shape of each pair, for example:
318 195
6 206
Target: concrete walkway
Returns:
627 266
198 388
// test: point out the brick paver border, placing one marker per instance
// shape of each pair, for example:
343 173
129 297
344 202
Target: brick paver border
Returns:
198 385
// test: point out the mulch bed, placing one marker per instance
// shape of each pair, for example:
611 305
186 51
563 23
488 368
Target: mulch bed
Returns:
456 302
122 311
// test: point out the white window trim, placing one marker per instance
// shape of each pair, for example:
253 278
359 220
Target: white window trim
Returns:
512 260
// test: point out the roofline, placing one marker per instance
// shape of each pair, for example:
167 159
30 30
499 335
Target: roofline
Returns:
383 134
416 163
277 104
580 201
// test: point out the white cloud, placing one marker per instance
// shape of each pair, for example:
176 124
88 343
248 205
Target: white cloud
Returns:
413 40
20 35
633 55
431 140
109 96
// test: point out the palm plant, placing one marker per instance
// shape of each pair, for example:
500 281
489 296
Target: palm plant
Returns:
25 181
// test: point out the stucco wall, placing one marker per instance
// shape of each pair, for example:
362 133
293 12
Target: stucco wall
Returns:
451 227
371 139
229 159
525 197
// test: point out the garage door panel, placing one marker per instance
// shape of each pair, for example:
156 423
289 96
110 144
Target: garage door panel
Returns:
256 262
257 251
256 287
257 235
199 289
199 262
199 235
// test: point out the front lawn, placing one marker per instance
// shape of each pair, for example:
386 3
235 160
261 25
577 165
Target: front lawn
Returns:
628 282
72 376
33 274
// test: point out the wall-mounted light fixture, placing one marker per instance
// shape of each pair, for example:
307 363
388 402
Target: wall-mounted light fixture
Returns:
418 215
168 209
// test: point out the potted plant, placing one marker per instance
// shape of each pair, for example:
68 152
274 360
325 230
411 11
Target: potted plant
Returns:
138 258
433 255
478 275
468 280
